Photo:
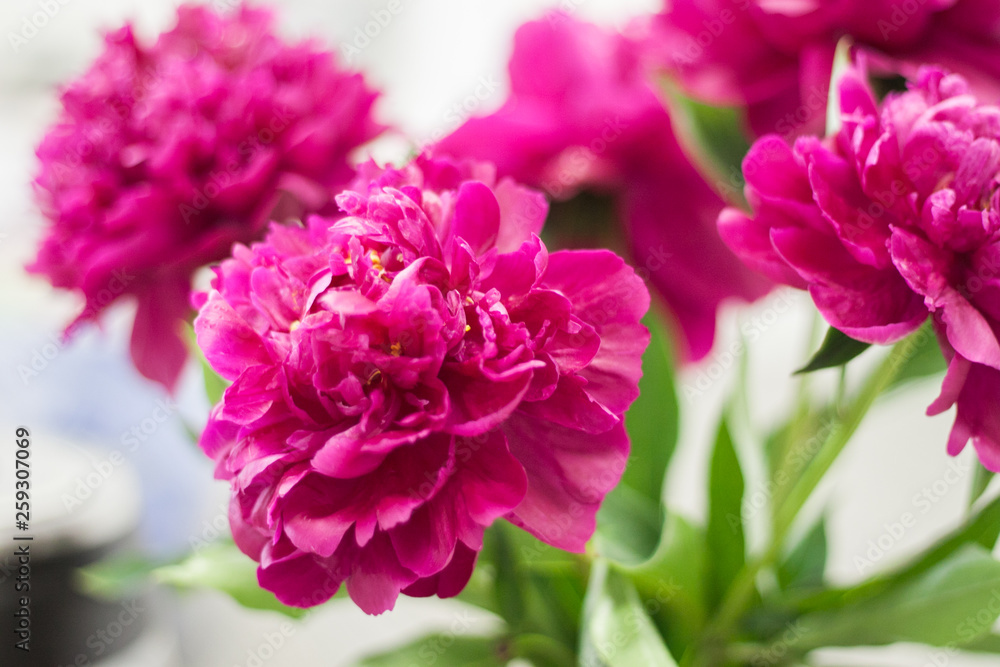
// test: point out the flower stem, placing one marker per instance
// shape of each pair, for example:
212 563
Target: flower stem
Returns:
740 593
841 433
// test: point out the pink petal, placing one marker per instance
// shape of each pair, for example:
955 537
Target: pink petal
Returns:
229 343
477 216
158 348
450 581
569 472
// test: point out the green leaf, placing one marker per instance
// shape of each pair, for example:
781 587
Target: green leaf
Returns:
836 350
718 131
652 421
224 567
534 587
806 564
714 138
445 650
628 527
117 577
480 591
509 583
945 605
630 518
672 582
556 604
542 651
726 542
981 479
926 358
983 530
984 644
215 385
617 631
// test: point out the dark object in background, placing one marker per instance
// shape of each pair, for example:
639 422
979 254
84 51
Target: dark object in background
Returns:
84 506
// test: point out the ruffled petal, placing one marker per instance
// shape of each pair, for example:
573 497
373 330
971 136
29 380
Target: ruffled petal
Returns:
569 472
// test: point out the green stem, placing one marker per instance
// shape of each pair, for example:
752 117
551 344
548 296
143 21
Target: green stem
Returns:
801 420
841 432
740 594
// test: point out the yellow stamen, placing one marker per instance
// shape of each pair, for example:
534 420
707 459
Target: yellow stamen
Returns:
294 325
468 328
396 349
377 265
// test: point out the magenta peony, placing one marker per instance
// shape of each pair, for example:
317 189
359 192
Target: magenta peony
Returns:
776 57
166 155
408 372
894 217
583 115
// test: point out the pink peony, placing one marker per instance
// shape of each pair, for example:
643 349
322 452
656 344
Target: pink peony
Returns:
408 372
583 115
166 155
776 57
893 217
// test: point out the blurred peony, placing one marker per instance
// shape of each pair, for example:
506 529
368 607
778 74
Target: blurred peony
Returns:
407 373
165 156
583 117
896 215
776 57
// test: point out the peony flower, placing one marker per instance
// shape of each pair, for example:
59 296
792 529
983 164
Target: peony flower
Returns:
582 117
408 372
894 217
166 155
775 57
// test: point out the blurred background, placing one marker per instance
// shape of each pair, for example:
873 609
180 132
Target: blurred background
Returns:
430 57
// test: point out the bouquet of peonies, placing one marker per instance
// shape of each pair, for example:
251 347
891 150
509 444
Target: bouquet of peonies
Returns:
404 359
